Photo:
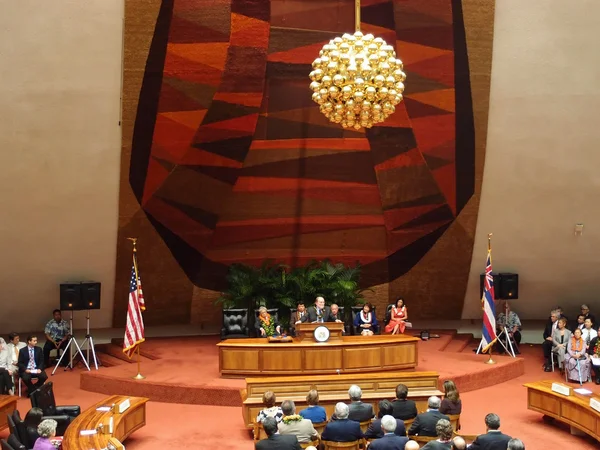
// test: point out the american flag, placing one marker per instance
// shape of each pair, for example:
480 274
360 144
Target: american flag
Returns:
487 304
134 328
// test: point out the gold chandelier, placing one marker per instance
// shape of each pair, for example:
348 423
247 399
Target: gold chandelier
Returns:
357 79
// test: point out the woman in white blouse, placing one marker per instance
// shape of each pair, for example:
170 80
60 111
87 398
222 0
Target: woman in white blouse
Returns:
588 333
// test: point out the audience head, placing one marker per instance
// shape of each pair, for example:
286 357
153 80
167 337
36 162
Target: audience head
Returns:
320 302
588 323
562 322
355 393
411 445
585 309
14 338
57 315
33 417
399 302
288 407
577 333
269 399
32 340
301 307
367 307
492 421
385 408
334 309
581 318
515 444
270 425
434 402
262 311
554 315
310 447
458 443
559 310
443 429
47 428
450 391
341 410
401 392
388 424
312 398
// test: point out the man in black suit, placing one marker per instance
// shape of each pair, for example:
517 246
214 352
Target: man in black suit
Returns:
425 423
318 312
403 409
443 429
276 441
334 314
547 344
31 365
359 411
342 429
375 431
494 439
389 441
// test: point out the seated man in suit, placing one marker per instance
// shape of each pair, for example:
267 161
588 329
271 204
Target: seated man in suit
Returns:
425 423
403 409
295 424
276 441
334 314
318 312
494 439
359 411
389 441
515 444
31 365
443 429
375 431
342 429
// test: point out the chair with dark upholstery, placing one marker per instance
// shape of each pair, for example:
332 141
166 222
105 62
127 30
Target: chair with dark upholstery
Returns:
5 445
12 427
27 435
356 310
273 312
15 443
44 398
235 323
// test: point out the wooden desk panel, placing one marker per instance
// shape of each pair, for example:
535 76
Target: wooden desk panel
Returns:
247 357
573 410
8 403
124 424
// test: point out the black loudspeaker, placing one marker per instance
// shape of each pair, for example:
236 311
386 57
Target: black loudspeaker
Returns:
90 295
509 286
497 281
70 296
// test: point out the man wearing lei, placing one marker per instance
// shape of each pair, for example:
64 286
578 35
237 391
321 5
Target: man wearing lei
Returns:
266 325
594 352
295 424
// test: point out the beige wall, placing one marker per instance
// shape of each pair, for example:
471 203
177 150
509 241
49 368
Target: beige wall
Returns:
60 76
541 171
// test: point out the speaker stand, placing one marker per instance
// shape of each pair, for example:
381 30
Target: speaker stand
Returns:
65 351
89 343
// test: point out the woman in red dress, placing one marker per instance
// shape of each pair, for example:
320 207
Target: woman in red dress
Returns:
398 318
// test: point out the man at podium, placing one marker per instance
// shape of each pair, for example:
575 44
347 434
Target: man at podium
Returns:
318 312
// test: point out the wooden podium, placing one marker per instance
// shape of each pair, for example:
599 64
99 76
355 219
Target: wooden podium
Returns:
305 331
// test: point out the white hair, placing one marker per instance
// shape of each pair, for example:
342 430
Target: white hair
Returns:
411 445
341 410
434 402
47 428
388 423
355 392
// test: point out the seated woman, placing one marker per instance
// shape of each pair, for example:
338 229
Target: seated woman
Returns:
398 318
365 321
578 361
46 430
451 405
270 409
266 325
6 370
560 340
314 412
32 420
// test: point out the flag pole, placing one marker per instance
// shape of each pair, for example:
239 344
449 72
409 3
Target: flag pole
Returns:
490 360
139 375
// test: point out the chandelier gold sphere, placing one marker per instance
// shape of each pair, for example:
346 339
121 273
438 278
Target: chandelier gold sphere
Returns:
357 81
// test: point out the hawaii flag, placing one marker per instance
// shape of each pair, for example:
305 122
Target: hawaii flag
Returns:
487 304
134 328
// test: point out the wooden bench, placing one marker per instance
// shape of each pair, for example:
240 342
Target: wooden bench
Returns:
334 388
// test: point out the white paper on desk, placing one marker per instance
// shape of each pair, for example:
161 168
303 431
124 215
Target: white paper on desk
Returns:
583 391
87 432
594 404
103 408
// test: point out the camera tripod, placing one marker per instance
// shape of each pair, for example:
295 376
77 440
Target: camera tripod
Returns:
88 343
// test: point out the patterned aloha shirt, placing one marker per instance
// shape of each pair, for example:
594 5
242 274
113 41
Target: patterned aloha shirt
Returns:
513 320
57 330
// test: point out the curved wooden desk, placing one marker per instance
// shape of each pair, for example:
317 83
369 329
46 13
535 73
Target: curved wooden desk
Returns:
8 403
574 410
247 357
124 424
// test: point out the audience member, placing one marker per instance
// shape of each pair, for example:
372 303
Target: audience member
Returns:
594 352
31 421
359 411
443 430
6 370
578 359
494 439
511 321
588 333
46 430
403 409
292 423
266 325
547 344
412 445
451 404
458 443
318 312
389 440
334 314
342 429
515 444
398 318
270 409
560 339
561 313
580 322
314 412
585 310
375 431
276 441
58 333
425 423
365 321
14 345
31 365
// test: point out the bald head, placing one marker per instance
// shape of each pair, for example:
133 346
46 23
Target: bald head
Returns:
458 443
411 445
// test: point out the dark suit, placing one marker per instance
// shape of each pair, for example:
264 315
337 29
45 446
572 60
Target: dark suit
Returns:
437 445
547 345
342 430
375 432
23 362
492 440
333 318
389 442
312 313
296 317
404 409
279 442
424 424
360 411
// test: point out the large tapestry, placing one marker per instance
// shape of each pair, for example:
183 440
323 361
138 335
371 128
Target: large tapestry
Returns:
226 158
